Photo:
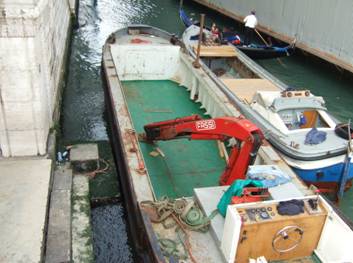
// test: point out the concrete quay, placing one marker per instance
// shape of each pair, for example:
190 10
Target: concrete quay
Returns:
58 244
24 193
45 213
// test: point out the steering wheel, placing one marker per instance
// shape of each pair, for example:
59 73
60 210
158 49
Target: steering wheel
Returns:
287 239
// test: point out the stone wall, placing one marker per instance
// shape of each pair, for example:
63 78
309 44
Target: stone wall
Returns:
33 37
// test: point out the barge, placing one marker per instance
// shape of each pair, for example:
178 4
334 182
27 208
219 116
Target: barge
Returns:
150 78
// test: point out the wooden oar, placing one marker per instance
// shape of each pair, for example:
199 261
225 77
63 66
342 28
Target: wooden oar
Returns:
258 33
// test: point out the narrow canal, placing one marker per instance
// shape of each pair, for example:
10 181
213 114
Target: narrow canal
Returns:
83 102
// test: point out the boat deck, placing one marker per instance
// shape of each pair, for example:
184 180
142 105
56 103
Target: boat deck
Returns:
246 88
187 164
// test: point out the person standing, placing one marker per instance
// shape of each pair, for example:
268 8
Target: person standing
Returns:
250 24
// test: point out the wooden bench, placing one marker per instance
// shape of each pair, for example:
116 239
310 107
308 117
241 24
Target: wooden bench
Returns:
245 89
216 51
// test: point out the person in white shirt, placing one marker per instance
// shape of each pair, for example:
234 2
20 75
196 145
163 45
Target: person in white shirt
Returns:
250 24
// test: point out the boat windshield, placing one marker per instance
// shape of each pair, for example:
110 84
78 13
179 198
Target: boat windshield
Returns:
302 119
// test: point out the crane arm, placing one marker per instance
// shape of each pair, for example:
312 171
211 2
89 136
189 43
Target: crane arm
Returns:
223 128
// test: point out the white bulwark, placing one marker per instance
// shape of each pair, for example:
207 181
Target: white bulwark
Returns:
33 36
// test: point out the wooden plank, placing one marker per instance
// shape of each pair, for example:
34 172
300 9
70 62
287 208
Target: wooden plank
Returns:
217 51
245 89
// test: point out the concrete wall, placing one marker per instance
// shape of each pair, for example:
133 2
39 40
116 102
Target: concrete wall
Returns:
322 27
33 36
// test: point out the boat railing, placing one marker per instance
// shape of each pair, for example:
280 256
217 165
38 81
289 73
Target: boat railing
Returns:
236 101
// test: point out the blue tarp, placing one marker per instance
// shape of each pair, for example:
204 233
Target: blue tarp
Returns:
314 136
269 175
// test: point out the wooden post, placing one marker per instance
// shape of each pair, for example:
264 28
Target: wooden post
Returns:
223 151
196 63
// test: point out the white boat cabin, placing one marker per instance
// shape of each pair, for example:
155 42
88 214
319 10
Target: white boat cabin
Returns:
292 112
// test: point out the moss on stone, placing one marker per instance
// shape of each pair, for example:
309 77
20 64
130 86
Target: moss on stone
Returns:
82 236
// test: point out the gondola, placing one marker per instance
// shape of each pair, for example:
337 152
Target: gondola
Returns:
253 51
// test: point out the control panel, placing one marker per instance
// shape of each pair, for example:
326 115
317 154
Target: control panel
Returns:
257 214
285 229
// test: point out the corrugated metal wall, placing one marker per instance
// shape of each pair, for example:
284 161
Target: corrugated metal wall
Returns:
323 25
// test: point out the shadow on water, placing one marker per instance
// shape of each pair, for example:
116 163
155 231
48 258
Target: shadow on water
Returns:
83 98
109 234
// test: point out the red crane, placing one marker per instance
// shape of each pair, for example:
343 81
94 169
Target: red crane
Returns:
247 134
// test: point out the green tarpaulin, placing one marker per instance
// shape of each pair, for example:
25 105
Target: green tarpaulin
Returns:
236 189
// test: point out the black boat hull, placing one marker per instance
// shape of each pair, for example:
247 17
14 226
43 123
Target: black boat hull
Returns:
266 53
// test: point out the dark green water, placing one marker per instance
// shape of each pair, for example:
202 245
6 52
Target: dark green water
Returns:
83 102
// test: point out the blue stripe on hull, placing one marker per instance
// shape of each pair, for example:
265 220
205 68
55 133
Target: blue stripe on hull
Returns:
325 174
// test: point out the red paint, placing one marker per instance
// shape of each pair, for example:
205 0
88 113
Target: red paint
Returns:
139 41
223 128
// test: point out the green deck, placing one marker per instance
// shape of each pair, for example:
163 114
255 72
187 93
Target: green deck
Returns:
187 164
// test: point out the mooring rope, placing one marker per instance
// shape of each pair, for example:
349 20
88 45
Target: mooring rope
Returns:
99 170
190 216
186 215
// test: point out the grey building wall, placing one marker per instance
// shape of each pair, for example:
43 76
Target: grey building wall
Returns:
33 35
322 27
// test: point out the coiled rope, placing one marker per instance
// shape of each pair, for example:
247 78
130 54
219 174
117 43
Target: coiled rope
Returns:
185 215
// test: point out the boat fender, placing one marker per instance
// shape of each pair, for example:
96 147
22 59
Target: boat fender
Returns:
341 130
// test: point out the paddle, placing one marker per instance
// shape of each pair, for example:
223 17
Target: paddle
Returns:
258 33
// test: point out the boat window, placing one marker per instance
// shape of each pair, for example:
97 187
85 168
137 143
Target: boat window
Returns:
302 119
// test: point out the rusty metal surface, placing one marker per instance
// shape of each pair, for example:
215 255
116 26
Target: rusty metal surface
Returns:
321 27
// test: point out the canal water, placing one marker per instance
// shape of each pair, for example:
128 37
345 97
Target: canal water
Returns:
83 102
